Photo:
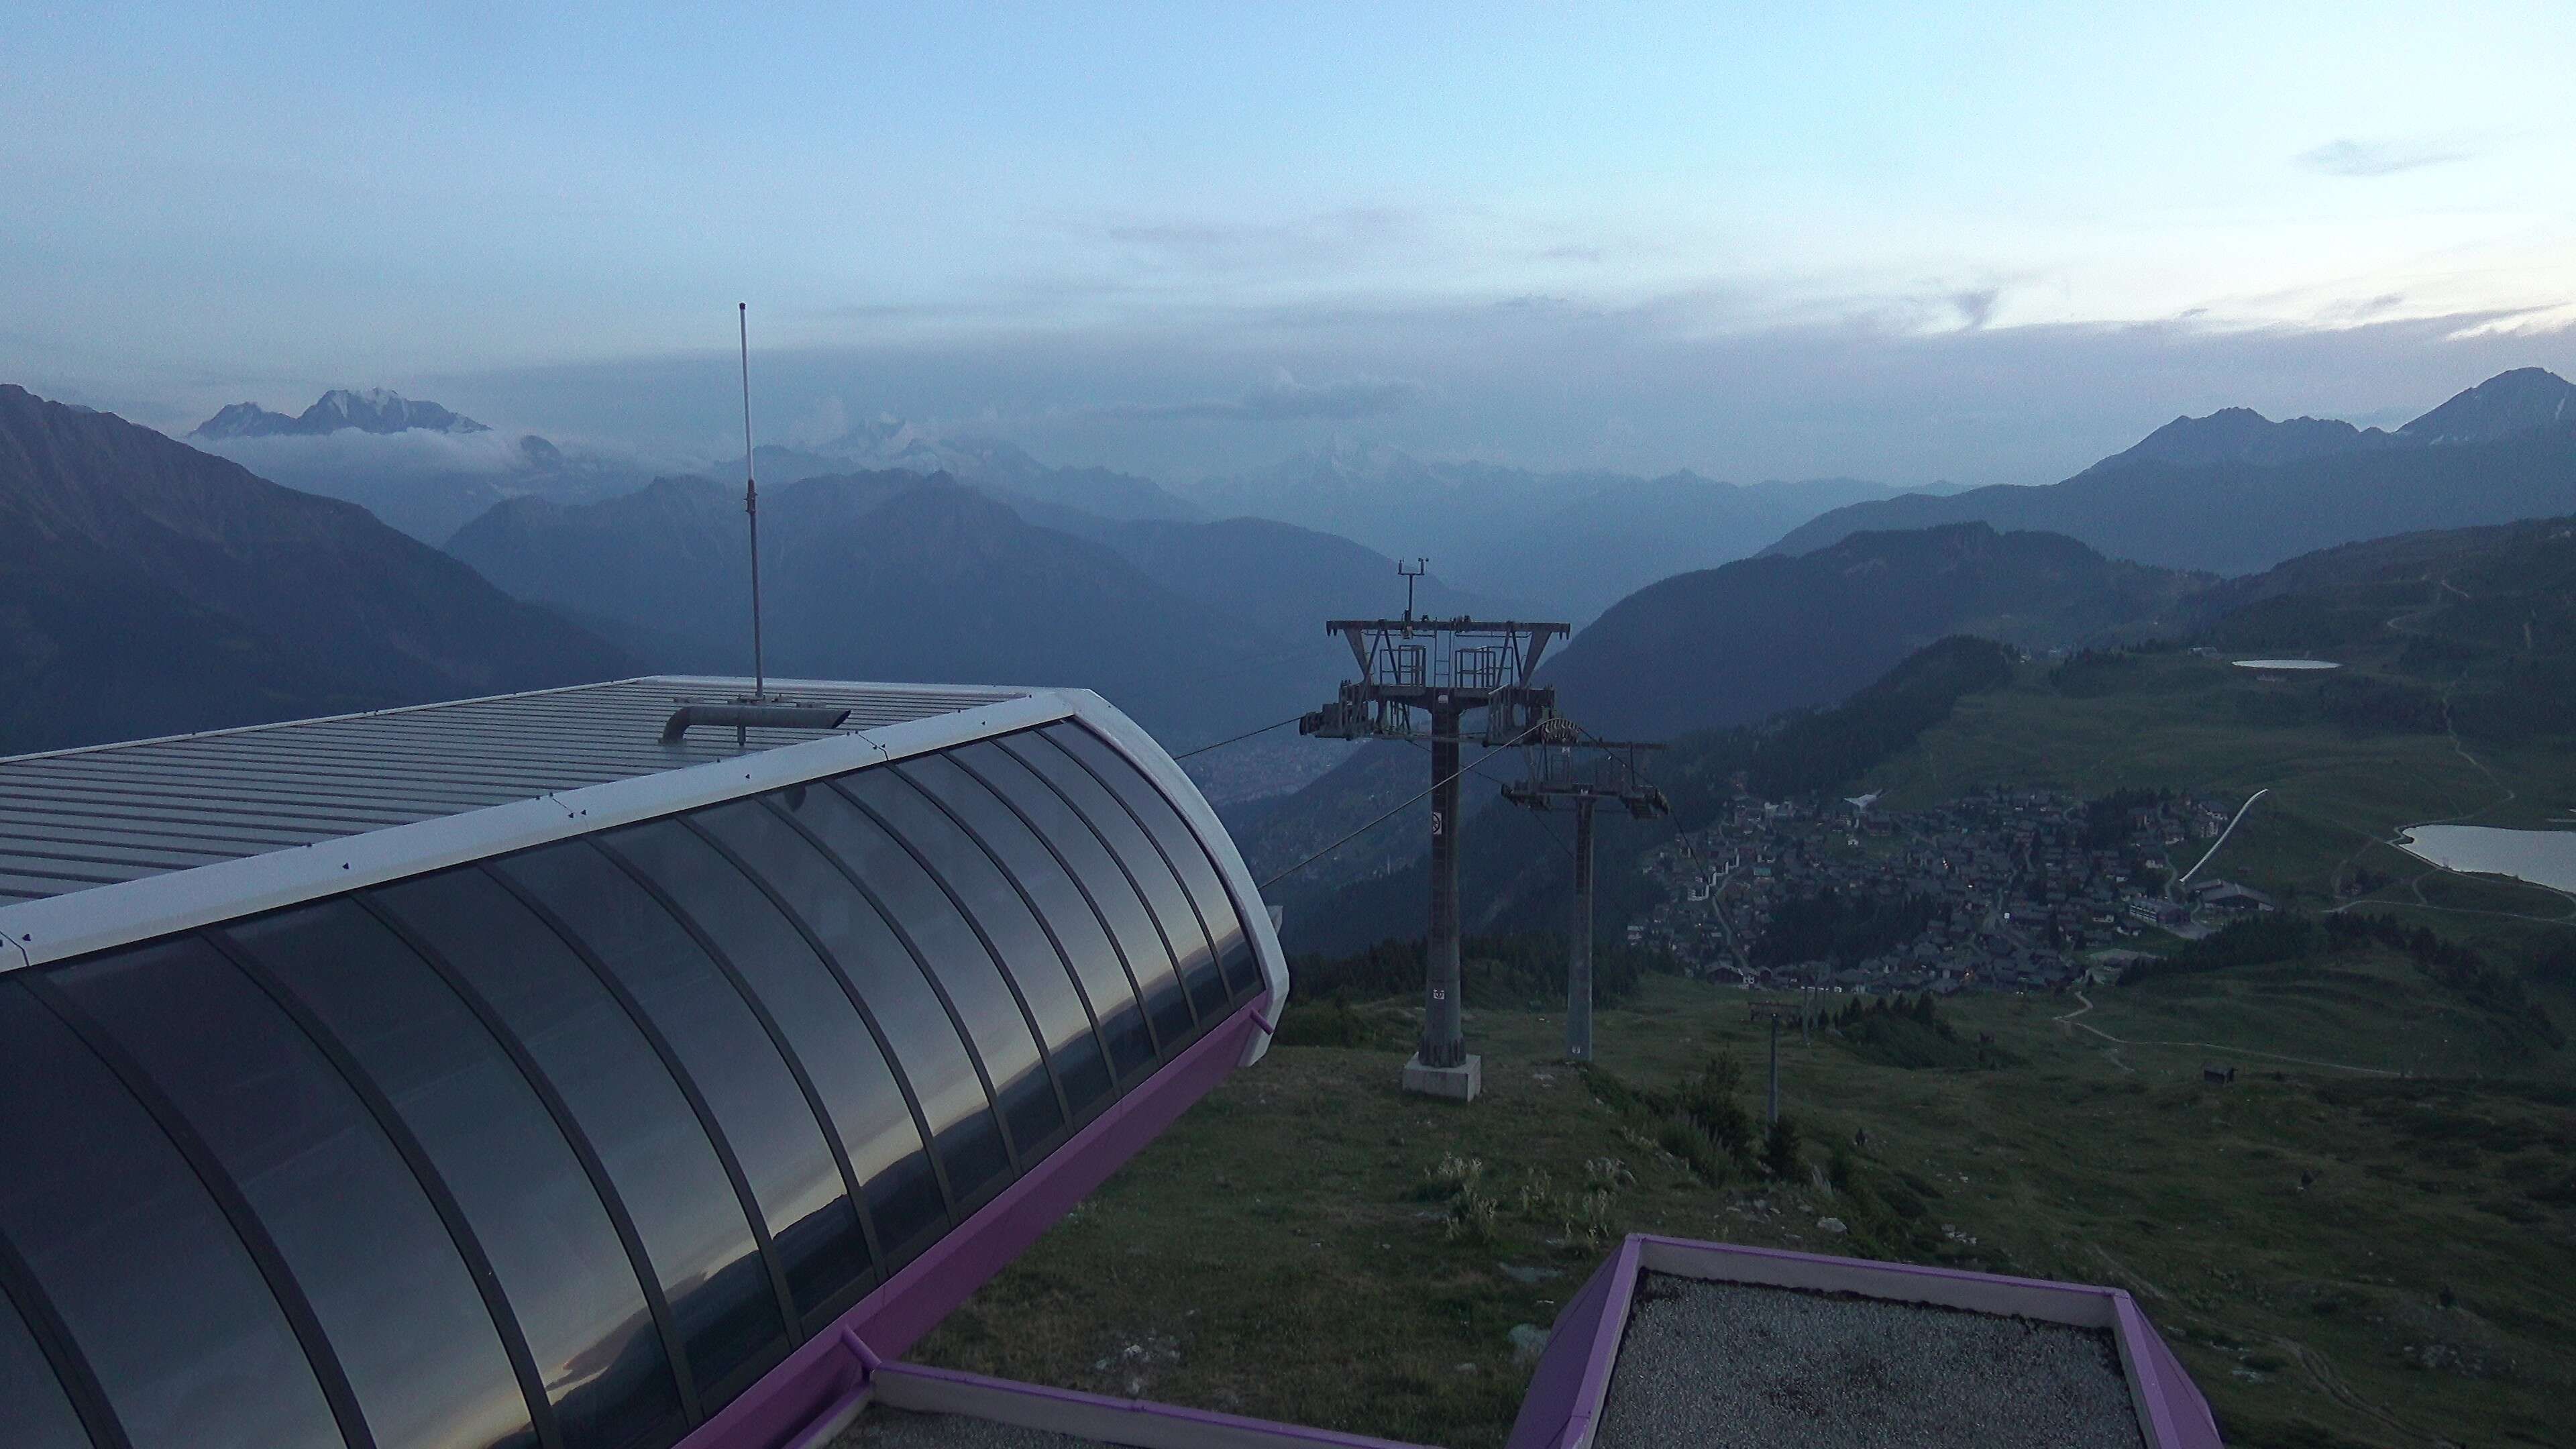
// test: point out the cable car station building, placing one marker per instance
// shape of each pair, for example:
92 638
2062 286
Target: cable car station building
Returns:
599 1069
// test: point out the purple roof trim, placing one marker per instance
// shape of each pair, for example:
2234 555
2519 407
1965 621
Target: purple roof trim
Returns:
1289 1433
2173 1402
823 1372
1875 1265
1557 1384
1601 1352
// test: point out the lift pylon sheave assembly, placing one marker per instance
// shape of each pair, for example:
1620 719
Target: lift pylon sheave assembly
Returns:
1448 669
1582 774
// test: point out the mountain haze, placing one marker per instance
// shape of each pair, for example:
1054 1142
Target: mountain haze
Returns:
1275 577
1568 543
1000 468
416 465
885 575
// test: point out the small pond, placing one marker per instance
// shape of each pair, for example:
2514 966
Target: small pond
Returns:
2542 857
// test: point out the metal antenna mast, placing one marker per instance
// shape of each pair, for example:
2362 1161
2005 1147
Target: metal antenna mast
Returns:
1584 773
751 509
1458 666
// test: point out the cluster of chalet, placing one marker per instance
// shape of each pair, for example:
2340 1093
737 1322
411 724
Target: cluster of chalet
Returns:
2010 885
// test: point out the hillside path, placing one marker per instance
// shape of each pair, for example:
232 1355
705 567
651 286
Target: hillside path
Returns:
2069 1021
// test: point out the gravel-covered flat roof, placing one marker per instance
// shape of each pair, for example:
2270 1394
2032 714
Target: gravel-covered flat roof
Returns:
1705 1363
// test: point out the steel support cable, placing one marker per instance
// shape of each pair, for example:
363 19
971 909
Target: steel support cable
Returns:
1477 769
1161 686
1239 739
1389 813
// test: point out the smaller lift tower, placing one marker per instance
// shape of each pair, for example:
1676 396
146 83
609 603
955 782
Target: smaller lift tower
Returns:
1448 669
1582 774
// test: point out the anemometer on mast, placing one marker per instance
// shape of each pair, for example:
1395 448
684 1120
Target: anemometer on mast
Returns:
751 509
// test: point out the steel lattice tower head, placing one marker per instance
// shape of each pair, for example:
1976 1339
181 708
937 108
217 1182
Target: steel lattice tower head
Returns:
1448 669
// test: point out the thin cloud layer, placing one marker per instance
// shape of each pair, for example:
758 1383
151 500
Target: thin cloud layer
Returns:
1284 399
356 454
2349 157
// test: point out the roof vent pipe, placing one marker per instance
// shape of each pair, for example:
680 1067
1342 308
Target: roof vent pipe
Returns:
751 716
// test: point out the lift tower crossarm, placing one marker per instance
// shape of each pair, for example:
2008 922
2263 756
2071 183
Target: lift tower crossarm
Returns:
1445 667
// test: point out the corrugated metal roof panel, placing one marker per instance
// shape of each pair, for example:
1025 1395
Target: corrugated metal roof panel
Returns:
73 819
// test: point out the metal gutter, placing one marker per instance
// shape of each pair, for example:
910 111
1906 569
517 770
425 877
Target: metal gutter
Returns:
824 1376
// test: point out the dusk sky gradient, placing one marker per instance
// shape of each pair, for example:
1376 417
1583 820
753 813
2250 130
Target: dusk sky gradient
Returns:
1988 244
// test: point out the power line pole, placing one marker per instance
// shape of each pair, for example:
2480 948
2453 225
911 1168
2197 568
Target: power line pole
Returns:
1578 961
1774 1012
1447 669
1584 774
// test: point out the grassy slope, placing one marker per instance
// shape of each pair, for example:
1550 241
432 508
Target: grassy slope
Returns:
1274 1252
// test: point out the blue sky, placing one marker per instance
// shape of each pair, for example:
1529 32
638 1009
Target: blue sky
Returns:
1986 243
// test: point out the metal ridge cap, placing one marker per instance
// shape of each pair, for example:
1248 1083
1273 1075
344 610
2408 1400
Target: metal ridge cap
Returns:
882 685
54 927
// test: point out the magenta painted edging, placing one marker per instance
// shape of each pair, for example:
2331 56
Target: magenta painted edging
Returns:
1878 1265
1603 1352
2174 1404
1557 1383
1301 1433
828 1367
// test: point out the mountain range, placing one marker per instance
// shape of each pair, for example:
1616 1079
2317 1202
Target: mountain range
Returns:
2236 493
1195 629
418 466
149 588
1738 643
373 411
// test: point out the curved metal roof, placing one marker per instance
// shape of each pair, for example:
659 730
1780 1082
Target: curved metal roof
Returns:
599 1117
74 819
